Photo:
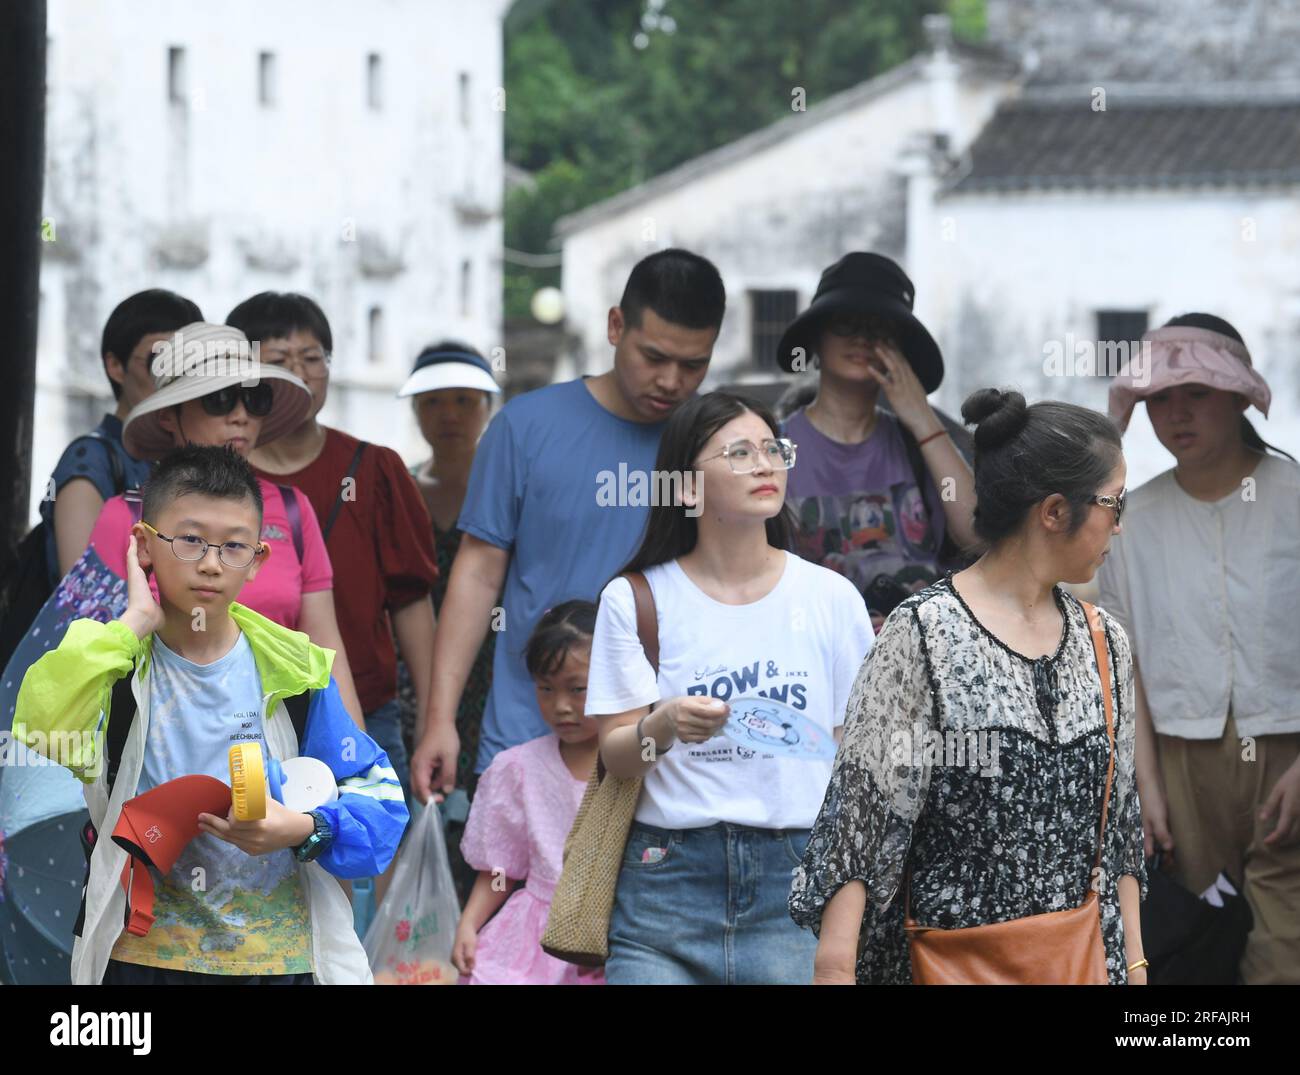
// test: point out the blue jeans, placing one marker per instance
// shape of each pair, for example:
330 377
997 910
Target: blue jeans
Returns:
708 906
384 726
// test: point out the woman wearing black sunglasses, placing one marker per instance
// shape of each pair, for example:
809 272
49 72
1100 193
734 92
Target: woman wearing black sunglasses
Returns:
977 752
211 390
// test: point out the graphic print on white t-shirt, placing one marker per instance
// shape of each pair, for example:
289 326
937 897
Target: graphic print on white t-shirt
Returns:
801 644
754 678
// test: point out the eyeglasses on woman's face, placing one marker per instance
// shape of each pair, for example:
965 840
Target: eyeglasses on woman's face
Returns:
743 456
311 362
192 548
1112 501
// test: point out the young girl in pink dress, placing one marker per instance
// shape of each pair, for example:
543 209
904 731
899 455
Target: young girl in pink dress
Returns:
523 809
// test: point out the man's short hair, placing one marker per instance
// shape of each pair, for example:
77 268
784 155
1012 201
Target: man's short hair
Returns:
679 286
275 315
218 472
141 315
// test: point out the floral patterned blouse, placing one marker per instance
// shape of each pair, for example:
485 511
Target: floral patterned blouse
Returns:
982 770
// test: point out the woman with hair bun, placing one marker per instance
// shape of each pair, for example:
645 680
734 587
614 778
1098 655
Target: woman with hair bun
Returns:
975 754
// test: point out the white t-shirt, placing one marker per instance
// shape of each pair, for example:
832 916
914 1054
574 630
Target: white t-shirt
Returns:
802 644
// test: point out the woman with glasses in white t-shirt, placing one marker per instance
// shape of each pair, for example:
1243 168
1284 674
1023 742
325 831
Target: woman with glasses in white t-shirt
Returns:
753 638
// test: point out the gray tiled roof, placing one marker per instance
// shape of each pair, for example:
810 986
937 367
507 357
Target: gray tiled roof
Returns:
1057 141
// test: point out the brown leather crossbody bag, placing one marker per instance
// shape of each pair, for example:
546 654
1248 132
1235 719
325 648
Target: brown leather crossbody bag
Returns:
1058 948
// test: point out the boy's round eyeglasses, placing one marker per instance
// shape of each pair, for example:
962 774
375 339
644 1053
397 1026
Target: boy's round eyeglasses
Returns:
191 548
1110 500
742 456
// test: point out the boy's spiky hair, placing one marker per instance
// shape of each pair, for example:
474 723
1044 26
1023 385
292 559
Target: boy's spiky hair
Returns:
208 471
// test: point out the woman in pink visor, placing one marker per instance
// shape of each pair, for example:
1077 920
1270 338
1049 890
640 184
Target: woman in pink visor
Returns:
1205 579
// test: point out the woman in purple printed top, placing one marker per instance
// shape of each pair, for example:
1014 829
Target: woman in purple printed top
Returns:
882 496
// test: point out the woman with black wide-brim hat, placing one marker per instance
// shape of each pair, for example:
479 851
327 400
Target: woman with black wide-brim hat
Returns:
882 496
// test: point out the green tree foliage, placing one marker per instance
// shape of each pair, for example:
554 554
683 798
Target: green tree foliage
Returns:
604 94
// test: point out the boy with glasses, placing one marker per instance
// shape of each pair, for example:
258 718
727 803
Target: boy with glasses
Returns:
207 673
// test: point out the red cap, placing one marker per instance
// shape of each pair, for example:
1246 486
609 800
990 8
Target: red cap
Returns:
154 828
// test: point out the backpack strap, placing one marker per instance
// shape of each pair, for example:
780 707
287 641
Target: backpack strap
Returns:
294 510
338 500
297 705
114 460
121 716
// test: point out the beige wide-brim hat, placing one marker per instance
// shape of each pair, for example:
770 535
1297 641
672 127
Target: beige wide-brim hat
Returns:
202 358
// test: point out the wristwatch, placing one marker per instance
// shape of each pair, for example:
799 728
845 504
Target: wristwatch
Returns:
321 837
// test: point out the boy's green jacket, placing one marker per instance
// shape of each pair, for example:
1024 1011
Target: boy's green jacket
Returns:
63 712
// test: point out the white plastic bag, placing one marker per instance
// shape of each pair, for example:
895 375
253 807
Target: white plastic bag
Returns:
410 938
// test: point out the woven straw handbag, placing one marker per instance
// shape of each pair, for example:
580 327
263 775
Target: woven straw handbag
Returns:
577 929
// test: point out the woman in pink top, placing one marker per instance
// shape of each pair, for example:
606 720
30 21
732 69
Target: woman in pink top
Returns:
210 390
523 809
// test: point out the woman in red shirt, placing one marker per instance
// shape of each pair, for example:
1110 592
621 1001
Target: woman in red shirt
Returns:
372 516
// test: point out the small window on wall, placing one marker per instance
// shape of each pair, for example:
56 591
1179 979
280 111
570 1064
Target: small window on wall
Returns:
177 91
770 315
1118 336
375 335
466 287
266 79
374 82
464 99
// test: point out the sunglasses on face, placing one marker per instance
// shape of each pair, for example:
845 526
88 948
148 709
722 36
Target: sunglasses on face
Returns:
257 400
1115 503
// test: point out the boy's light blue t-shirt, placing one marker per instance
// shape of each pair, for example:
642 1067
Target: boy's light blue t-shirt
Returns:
543 480
219 910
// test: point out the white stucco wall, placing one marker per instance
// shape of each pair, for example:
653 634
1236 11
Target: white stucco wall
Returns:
305 184
1011 273
775 217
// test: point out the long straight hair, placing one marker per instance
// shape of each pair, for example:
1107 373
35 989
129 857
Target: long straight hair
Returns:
1249 433
670 532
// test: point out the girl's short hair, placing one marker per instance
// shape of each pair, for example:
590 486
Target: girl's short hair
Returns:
1024 454
559 629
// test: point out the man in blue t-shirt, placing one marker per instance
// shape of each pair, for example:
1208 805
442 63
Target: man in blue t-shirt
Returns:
555 506
95 466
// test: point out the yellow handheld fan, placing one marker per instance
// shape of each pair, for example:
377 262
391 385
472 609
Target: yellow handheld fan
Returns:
247 782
